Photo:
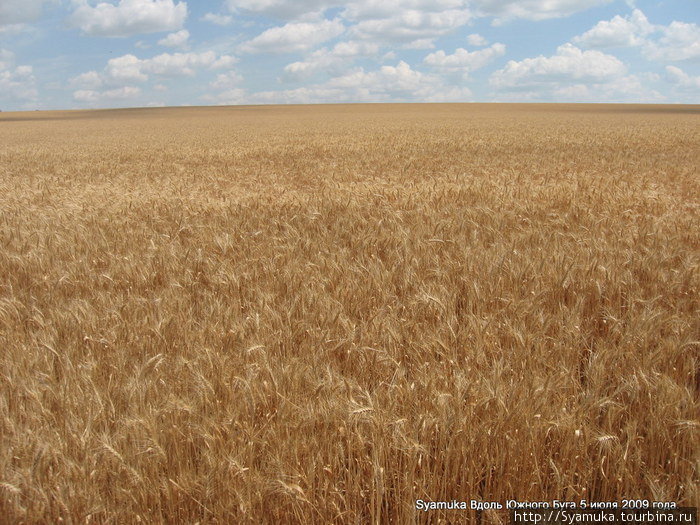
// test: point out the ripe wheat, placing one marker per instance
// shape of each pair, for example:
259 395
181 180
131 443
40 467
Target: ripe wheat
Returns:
322 314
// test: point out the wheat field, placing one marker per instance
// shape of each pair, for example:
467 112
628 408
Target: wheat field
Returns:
322 314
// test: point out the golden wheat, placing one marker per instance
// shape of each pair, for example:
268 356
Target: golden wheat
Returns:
322 314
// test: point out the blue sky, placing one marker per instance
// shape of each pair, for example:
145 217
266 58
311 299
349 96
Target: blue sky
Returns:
63 54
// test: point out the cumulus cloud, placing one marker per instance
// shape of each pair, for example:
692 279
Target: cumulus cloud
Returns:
13 29
617 32
680 78
358 10
476 40
572 75
370 9
179 39
129 17
13 12
17 83
389 83
7 59
625 89
217 19
568 64
463 61
399 82
332 61
388 78
678 41
411 25
280 9
421 43
414 24
294 37
629 88
128 69
533 9
226 80
92 96
89 80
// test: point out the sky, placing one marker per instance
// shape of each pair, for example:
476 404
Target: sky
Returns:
72 54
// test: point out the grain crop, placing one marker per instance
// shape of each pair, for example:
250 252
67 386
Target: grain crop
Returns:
321 314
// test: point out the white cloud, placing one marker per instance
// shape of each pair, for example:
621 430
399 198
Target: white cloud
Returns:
399 82
227 80
14 12
184 64
572 75
684 81
476 40
232 96
372 10
421 43
86 95
625 89
129 17
92 96
13 29
126 68
411 25
89 80
569 64
617 32
406 22
395 78
280 9
354 49
129 68
17 83
219 20
294 37
533 9
359 10
389 83
224 62
678 41
179 39
628 88
332 61
7 59
463 61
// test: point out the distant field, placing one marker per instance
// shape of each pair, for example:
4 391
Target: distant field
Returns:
322 314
